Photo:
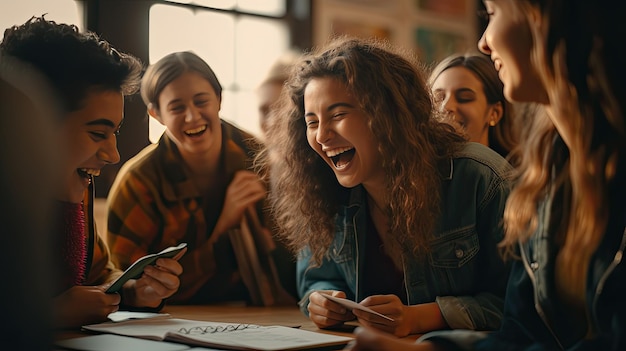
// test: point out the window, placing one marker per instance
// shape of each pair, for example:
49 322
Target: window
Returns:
274 8
61 11
239 39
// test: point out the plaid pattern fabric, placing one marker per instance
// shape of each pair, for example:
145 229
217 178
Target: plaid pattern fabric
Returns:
153 204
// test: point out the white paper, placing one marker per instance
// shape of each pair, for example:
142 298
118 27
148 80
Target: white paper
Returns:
221 335
349 304
120 316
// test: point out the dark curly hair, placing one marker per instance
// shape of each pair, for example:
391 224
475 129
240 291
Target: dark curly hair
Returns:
74 62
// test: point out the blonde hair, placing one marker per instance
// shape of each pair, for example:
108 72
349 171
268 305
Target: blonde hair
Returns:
573 148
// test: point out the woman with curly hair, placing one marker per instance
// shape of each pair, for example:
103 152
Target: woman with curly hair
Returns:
384 204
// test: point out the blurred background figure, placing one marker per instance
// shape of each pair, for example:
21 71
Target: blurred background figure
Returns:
468 92
270 88
28 159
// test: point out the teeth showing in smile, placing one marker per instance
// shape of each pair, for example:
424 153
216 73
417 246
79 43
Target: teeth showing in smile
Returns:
341 157
335 152
196 130
90 171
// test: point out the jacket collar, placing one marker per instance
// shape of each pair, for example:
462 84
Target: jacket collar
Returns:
178 184
446 168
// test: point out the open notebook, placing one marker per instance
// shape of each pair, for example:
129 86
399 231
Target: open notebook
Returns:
232 336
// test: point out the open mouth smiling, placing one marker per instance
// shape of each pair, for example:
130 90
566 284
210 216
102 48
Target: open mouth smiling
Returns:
88 173
196 131
341 157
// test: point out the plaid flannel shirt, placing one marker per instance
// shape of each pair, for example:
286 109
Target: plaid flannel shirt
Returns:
153 204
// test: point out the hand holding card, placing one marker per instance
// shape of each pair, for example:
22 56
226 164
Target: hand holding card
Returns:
136 268
349 304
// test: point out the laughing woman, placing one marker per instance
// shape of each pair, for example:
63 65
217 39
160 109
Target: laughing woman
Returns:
196 186
385 205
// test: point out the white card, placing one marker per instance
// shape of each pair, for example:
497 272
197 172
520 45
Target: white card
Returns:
353 305
120 316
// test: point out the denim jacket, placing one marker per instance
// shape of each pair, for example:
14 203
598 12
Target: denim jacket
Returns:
463 273
533 317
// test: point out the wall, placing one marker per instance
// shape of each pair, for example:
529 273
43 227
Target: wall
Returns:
434 28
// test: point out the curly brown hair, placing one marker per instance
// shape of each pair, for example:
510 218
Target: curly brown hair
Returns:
390 88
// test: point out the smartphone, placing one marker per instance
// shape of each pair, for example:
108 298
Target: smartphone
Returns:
136 269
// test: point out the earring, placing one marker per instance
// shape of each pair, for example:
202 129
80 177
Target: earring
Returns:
492 123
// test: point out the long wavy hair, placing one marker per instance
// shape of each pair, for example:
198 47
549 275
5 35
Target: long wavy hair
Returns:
574 153
390 88
504 136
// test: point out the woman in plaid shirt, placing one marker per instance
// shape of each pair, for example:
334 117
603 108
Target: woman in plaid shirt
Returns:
196 185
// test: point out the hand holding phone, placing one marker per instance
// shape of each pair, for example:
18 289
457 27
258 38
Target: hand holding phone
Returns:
136 269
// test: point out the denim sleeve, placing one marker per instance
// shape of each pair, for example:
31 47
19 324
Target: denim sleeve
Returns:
483 310
325 277
520 321
523 330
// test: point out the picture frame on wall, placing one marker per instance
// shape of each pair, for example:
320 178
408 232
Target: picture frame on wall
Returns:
450 8
349 17
341 26
432 44
433 28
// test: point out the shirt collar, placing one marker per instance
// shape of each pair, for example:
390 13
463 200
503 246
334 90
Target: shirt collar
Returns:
178 184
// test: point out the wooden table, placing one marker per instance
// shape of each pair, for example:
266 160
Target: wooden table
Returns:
285 316
239 313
